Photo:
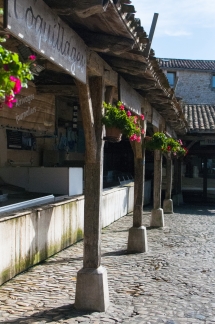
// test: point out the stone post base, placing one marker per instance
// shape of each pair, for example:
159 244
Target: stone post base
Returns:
168 206
137 240
157 218
92 290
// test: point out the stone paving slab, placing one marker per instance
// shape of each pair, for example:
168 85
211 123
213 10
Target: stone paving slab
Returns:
173 283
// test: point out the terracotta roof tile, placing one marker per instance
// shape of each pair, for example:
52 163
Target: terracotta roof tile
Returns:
186 64
200 118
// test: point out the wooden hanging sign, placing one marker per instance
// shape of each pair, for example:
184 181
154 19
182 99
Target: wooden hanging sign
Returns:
33 22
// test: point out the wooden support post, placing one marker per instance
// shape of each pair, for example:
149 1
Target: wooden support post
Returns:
137 239
177 198
205 179
92 288
167 204
157 218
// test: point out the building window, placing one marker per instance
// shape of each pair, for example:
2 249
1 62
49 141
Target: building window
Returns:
171 76
213 81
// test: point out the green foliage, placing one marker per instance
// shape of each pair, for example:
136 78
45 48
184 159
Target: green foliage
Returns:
116 116
13 75
159 141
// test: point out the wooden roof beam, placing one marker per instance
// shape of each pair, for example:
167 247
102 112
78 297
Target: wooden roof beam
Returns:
98 67
125 66
106 43
83 9
58 89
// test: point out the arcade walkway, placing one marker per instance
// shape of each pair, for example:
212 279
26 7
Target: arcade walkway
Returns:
173 283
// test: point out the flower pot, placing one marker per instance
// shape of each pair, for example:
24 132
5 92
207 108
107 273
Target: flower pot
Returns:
113 134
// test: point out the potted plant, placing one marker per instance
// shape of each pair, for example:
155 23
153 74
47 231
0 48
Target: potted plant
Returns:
157 142
120 122
168 145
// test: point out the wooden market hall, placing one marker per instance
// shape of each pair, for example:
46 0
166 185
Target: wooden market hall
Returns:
60 181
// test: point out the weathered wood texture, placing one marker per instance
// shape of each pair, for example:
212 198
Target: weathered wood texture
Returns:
109 94
36 22
168 191
97 92
140 83
83 8
126 66
139 170
98 67
205 179
91 98
102 29
58 90
106 43
88 121
177 176
157 179
31 111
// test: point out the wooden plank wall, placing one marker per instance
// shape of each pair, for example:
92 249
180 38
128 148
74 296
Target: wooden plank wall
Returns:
32 112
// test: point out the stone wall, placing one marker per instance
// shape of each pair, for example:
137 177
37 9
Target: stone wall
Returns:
195 87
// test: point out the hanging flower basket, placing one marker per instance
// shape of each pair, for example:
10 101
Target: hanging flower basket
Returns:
113 134
117 118
167 145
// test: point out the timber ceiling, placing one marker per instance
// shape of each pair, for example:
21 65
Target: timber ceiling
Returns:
110 28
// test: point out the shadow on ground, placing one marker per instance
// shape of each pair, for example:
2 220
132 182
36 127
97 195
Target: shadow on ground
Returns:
54 314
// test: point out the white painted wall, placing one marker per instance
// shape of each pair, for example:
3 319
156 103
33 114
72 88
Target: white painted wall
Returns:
30 236
61 181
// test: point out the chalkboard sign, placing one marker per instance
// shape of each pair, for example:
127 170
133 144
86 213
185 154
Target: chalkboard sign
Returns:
20 140
14 139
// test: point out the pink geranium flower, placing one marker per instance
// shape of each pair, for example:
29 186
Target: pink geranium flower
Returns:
128 113
142 131
142 117
138 139
9 101
121 107
17 86
133 137
32 57
135 119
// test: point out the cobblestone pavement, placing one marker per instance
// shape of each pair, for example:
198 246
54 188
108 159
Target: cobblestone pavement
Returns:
173 283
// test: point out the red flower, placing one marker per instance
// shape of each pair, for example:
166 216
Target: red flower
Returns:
142 131
128 113
17 86
135 119
121 107
9 101
32 57
142 117
138 139
168 148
